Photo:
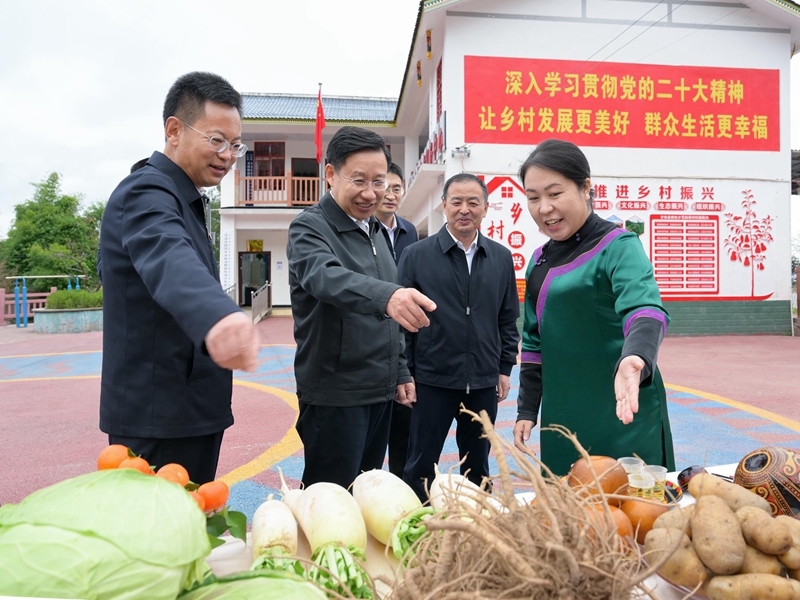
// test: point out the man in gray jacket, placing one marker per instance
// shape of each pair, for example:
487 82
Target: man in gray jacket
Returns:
347 310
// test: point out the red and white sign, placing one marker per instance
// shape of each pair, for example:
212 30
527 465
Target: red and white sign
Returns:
707 239
684 250
630 105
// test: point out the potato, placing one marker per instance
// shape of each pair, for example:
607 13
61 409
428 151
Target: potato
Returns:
793 573
756 561
763 532
717 535
683 567
677 518
734 495
753 586
791 558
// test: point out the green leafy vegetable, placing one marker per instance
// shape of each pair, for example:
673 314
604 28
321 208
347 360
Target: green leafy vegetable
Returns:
264 585
108 534
408 530
336 569
226 520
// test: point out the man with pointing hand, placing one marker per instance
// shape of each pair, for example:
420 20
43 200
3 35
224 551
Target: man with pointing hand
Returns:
348 312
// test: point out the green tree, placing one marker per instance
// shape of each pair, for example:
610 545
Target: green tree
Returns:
53 234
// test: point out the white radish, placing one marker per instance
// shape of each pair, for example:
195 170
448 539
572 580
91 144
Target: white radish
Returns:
392 512
290 497
327 513
452 487
384 499
332 523
274 530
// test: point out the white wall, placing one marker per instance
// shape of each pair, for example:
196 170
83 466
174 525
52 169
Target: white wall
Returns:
694 36
274 243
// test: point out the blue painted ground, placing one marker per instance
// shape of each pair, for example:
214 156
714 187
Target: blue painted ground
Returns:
705 431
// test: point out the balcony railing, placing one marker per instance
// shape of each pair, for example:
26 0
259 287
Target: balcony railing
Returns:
276 191
434 149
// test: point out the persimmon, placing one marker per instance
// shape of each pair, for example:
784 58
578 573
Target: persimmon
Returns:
112 456
201 502
174 472
215 493
611 475
137 463
622 523
642 515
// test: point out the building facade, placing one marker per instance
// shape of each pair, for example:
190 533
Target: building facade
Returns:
681 107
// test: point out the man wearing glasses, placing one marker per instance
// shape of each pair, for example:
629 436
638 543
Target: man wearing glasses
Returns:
347 310
400 234
171 336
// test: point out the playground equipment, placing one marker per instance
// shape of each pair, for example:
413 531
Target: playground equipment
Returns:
21 304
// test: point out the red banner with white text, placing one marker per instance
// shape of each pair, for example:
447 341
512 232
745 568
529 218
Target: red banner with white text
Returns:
525 101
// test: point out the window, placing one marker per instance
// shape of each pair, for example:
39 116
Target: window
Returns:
270 159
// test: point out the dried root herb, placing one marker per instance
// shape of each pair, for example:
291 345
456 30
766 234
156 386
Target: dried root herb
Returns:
561 546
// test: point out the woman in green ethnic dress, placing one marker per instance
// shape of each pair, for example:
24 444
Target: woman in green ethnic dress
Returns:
593 324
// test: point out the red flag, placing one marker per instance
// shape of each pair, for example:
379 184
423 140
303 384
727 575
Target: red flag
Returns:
320 126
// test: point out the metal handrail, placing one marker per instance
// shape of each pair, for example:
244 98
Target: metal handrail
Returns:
262 302
230 291
21 301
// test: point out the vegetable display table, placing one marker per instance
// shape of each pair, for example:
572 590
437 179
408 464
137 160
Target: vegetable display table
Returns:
235 556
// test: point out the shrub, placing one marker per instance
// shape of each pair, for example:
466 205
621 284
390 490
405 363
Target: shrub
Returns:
75 299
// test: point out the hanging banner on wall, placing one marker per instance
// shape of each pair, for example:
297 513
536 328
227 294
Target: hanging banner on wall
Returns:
525 101
707 239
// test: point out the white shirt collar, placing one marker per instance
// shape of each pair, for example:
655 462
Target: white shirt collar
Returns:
472 246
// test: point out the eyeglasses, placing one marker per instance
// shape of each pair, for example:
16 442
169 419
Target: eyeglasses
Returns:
219 145
363 184
395 189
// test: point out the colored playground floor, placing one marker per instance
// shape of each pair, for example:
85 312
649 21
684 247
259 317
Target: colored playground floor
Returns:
727 396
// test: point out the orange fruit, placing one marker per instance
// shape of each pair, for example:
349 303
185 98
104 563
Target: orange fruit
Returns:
199 499
215 493
611 475
174 472
137 463
642 514
622 523
111 456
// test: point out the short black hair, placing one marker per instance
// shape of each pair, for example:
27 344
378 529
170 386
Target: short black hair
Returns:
466 177
349 140
395 168
562 157
139 164
187 97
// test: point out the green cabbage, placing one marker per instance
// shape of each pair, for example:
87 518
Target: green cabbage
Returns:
108 534
264 585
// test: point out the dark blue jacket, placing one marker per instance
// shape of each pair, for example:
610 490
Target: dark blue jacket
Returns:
473 336
405 233
349 353
161 296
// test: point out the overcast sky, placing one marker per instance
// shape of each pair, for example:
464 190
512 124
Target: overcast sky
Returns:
83 81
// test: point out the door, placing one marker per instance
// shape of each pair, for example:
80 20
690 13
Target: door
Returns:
254 271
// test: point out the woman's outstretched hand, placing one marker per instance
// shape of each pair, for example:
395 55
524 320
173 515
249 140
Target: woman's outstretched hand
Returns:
626 387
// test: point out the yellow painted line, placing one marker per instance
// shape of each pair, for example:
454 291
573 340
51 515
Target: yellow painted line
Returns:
50 378
52 354
760 412
100 351
289 444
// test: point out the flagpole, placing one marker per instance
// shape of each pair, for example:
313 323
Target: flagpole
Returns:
322 160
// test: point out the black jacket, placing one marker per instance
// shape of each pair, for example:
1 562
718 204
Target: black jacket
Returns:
405 234
349 353
473 336
161 296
